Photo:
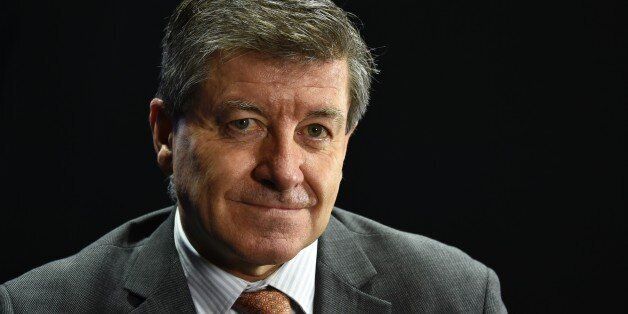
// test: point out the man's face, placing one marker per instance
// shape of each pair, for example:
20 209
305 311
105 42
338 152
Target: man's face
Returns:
258 162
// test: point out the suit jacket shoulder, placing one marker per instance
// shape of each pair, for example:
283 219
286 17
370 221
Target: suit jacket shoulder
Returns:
417 274
362 266
89 281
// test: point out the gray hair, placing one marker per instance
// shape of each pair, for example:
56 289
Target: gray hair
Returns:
303 30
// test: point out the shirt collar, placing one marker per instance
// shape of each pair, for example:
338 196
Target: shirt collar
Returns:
214 290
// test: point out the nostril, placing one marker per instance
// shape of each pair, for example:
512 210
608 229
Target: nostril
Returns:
268 183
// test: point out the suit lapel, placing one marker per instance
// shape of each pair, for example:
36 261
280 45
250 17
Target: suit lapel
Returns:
156 281
342 270
157 284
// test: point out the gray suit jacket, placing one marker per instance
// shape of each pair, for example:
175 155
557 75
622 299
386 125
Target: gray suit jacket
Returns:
362 267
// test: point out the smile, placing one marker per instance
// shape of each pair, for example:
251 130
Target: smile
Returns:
279 206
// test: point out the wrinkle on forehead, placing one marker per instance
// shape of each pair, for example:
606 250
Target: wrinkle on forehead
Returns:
270 70
283 87
287 84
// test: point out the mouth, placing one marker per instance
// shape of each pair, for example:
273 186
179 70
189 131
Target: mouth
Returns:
277 206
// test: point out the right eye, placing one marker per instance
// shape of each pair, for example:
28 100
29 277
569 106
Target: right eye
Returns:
243 127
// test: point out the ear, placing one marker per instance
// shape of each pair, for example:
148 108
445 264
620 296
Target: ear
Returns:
161 127
351 130
350 133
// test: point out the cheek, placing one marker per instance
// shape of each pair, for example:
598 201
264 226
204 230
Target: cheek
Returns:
323 173
206 168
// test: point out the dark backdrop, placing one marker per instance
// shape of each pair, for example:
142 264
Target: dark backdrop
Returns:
495 126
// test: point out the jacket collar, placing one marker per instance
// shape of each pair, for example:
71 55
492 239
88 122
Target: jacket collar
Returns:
156 280
342 270
157 283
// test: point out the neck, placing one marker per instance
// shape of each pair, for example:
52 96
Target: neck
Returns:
220 256
252 274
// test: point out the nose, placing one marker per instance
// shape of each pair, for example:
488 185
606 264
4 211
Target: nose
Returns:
280 163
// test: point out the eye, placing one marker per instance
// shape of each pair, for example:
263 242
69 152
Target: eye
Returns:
241 124
242 127
316 131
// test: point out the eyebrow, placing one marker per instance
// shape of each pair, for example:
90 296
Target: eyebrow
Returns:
328 112
230 105
331 113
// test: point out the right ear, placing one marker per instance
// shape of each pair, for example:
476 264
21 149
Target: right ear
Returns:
161 127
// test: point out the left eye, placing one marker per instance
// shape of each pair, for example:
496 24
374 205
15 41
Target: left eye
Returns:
241 124
316 131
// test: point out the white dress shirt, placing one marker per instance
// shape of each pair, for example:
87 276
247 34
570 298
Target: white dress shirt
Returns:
214 290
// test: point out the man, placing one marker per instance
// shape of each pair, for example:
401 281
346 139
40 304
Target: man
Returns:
257 102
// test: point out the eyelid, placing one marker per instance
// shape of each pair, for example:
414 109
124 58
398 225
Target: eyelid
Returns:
252 120
254 127
329 134
332 126
241 114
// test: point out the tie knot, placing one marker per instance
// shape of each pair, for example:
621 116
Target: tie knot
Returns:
264 301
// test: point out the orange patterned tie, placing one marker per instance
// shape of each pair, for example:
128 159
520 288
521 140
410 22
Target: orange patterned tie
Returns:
264 301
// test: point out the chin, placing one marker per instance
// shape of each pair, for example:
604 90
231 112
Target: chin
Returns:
265 237
271 251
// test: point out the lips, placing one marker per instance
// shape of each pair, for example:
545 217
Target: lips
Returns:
276 205
298 198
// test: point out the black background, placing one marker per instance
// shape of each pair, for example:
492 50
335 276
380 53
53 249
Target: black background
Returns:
498 127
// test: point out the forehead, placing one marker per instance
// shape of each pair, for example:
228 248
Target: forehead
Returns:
269 79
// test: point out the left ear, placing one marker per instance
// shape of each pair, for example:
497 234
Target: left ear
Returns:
350 133
161 127
347 139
